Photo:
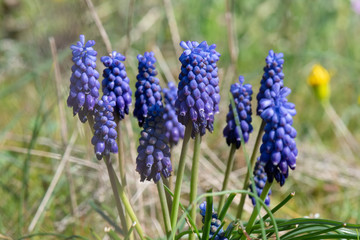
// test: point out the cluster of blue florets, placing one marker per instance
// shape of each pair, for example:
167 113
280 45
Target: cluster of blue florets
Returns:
153 152
104 139
260 179
84 84
116 83
242 98
273 75
174 129
278 150
198 90
215 223
148 90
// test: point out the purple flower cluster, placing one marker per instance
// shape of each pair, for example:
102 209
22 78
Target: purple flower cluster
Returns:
278 149
215 223
154 152
198 90
104 139
174 129
260 181
116 83
273 75
148 90
84 84
242 97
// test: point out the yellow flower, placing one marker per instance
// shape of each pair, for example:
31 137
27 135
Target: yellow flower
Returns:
359 100
319 79
318 76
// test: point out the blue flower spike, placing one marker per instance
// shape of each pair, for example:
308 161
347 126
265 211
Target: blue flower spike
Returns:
198 89
84 84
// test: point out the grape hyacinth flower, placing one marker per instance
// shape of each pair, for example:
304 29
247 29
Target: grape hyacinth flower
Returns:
84 84
148 90
259 180
154 152
273 75
198 90
104 139
116 83
215 223
278 150
174 129
242 97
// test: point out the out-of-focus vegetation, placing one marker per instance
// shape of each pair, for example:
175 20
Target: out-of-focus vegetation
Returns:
31 144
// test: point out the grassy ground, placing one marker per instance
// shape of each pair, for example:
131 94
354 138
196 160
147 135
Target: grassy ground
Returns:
35 136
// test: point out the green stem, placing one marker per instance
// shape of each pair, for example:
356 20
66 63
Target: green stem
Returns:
179 177
194 180
252 163
116 195
168 184
229 167
164 207
121 156
119 191
256 210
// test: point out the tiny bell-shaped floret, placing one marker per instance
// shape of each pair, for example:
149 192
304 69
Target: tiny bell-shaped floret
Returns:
198 89
273 76
242 98
260 179
278 149
153 158
84 84
116 83
104 139
148 90
174 129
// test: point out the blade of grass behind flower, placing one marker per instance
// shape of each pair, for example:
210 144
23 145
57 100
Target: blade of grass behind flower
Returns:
226 206
193 225
113 235
248 163
316 233
208 216
97 208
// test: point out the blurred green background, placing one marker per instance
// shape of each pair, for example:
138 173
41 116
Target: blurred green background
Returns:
31 125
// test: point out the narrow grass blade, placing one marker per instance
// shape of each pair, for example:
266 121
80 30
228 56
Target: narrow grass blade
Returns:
97 208
193 225
208 216
226 206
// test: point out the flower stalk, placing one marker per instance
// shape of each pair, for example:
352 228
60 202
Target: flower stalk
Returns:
256 210
179 177
252 163
194 179
229 167
164 207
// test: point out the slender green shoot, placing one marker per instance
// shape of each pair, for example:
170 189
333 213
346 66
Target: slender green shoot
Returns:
256 210
229 167
280 205
252 163
192 223
179 178
208 216
164 207
194 178
226 206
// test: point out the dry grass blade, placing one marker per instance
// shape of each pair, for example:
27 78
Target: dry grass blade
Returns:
64 135
175 36
53 183
99 24
163 65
